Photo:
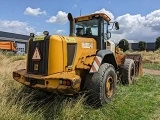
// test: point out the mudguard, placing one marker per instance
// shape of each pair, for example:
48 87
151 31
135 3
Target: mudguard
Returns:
103 56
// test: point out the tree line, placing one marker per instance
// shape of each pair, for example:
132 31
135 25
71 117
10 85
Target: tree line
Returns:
142 45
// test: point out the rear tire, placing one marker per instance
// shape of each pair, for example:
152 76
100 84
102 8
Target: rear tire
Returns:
128 71
100 86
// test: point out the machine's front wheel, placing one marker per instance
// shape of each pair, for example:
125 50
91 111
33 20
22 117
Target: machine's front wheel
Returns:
101 86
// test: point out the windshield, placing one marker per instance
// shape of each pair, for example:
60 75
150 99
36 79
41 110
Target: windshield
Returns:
86 28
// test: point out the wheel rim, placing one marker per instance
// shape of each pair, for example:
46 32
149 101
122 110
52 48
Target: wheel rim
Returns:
109 87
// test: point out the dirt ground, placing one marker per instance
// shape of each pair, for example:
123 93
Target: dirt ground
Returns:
151 72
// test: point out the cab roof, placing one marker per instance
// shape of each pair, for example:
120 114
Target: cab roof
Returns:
88 17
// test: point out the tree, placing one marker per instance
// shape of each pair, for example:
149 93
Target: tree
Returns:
123 44
157 43
142 45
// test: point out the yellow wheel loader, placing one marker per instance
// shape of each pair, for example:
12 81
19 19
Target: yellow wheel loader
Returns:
86 60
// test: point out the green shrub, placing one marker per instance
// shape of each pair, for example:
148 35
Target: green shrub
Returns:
142 45
157 43
124 45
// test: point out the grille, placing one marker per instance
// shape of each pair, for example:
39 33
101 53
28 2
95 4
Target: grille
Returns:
71 47
42 65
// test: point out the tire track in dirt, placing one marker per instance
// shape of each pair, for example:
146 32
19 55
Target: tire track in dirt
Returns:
151 72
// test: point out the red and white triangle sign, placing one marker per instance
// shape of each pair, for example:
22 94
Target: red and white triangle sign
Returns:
36 55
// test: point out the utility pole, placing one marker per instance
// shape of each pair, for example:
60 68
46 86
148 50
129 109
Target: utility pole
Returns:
80 11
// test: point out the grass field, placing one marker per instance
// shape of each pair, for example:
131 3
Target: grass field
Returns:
138 101
151 66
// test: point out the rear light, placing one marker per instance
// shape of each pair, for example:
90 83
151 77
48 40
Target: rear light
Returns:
65 82
68 83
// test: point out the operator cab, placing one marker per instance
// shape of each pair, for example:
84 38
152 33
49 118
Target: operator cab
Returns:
94 26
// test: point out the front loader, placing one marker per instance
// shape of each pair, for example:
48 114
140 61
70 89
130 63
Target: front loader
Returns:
86 60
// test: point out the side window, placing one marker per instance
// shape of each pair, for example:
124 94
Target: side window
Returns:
105 30
94 30
79 30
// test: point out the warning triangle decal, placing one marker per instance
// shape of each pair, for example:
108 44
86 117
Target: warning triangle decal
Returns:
36 54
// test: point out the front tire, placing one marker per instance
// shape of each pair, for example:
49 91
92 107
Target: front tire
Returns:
101 86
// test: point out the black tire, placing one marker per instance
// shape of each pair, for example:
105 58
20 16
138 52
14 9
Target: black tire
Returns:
101 86
128 71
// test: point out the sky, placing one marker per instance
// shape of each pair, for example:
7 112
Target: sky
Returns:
139 20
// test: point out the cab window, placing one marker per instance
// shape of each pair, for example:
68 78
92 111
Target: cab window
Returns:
87 28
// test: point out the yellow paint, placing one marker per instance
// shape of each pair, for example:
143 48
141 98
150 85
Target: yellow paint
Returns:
57 64
64 53
88 17
83 18
38 38
54 83
79 50
86 59
70 39
55 58
52 80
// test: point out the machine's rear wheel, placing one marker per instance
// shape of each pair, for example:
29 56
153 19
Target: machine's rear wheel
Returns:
128 71
101 86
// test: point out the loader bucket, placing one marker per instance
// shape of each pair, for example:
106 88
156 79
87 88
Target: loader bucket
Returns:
138 63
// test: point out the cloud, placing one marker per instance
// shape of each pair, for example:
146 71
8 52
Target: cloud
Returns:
153 20
59 32
16 27
103 10
61 18
34 12
138 27
39 33
75 6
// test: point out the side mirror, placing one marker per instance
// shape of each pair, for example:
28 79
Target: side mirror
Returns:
116 25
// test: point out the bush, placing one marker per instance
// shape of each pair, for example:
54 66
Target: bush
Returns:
157 43
123 44
142 45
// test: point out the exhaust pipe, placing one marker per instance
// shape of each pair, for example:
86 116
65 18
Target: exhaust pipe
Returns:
72 24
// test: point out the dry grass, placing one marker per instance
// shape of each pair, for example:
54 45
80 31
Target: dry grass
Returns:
149 57
20 103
